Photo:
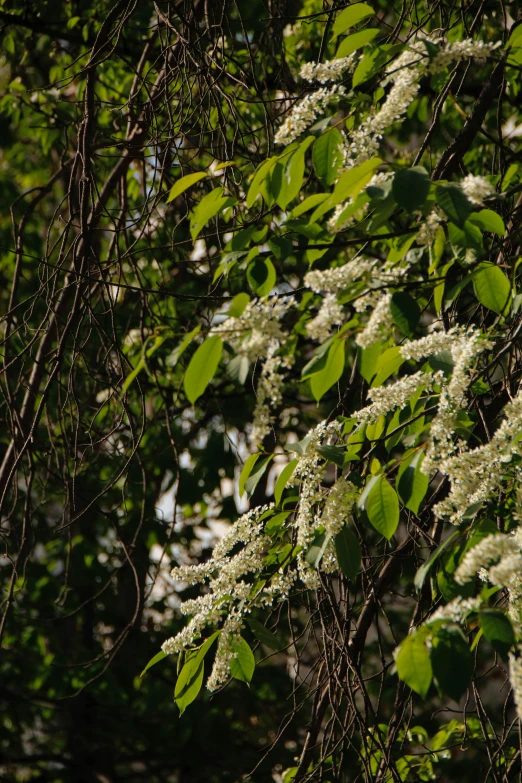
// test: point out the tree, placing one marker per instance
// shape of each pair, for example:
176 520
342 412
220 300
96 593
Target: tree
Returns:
261 272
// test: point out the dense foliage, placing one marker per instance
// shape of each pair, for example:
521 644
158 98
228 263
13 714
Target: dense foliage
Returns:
261 312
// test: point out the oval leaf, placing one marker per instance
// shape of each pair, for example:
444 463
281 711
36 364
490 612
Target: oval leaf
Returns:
413 484
321 381
327 156
189 682
454 203
265 636
382 508
350 16
492 287
498 630
261 276
414 664
184 184
405 312
356 41
283 479
348 552
452 662
411 188
153 661
202 367
243 665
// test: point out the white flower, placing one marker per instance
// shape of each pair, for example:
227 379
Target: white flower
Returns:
395 395
515 678
304 113
329 316
428 230
327 71
476 188
456 611
379 325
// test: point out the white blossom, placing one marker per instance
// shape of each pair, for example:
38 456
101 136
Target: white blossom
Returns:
331 70
329 316
476 188
476 473
428 230
304 113
379 324
394 395
456 611
515 678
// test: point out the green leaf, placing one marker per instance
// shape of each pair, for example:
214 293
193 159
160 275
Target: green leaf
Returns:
323 380
327 156
469 235
256 475
237 368
153 661
283 479
488 220
202 367
356 41
317 549
411 188
265 636
424 569
184 184
399 247
247 470
351 16
452 661
261 276
309 203
382 508
348 553
414 664
412 484
353 181
209 206
238 304
515 38
292 175
454 203
259 181
405 312
368 361
333 454
492 288
387 363
367 67
497 630
141 363
243 665
174 357
189 682
190 679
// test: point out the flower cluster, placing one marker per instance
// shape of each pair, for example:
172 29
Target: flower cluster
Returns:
515 678
456 611
476 473
395 395
229 594
304 113
329 71
428 230
476 188
379 324
268 393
